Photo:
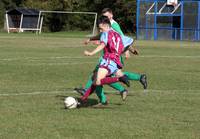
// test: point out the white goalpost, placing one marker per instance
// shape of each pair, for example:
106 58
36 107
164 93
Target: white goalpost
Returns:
43 13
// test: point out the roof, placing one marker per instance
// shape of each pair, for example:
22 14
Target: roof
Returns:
24 11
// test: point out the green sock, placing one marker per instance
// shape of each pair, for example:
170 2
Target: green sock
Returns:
100 94
89 82
117 86
132 76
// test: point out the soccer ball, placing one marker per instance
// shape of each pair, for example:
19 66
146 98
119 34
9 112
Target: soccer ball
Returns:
70 103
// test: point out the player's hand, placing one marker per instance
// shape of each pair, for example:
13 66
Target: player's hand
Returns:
133 50
136 52
87 53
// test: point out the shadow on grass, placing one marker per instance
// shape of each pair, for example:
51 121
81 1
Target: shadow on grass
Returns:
91 103
118 94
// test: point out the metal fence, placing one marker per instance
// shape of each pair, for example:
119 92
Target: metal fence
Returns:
158 21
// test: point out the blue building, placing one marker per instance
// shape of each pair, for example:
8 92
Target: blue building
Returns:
156 20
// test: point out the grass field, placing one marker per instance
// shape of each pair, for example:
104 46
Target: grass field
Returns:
38 72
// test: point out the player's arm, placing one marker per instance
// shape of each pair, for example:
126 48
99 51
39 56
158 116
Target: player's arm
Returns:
98 49
103 40
93 39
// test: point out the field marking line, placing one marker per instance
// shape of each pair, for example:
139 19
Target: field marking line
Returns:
85 57
157 56
54 64
109 91
46 58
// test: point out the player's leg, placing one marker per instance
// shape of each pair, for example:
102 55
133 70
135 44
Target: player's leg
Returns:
108 80
100 93
128 43
132 76
110 67
121 89
101 74
82 90
117 86
89 82
123 92
92 77
137 77
99 89
106 66
101 79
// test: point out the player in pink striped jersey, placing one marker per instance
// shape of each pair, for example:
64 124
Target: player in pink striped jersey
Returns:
112 45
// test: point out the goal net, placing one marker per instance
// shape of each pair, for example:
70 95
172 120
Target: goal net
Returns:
67 22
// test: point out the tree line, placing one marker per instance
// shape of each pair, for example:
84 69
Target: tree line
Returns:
124 11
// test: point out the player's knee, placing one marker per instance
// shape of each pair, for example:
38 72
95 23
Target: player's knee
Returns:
98 82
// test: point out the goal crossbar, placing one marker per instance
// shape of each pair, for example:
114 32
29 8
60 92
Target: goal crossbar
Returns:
39 25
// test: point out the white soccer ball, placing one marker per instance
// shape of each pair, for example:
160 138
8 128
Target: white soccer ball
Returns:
70 103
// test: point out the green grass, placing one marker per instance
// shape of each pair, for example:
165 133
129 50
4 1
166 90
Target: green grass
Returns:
69 34
37 72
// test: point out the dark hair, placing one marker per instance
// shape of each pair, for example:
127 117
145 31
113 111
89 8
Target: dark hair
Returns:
106 10
104 20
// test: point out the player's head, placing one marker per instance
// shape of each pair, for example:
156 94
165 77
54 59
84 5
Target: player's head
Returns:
104 23
107 12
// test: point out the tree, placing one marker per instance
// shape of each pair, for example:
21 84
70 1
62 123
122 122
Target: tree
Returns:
124 11
6 5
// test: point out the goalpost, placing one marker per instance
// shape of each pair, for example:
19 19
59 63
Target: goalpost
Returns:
42 14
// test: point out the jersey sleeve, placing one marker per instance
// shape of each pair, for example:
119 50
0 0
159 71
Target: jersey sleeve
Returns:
104 38
116 27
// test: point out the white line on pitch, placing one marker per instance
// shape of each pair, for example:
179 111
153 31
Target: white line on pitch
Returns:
43 58
85 57
52 64
156 56
35 93
110 91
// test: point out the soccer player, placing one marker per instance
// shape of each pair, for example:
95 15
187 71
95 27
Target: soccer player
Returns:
132 76
115 26
112 45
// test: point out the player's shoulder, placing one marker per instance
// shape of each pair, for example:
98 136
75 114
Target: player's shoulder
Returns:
114 32
104 34
113 22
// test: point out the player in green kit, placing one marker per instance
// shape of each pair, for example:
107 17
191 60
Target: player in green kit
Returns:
115 26
131 76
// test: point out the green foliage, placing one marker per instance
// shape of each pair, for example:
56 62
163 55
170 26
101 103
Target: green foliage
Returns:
5 5
124 12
